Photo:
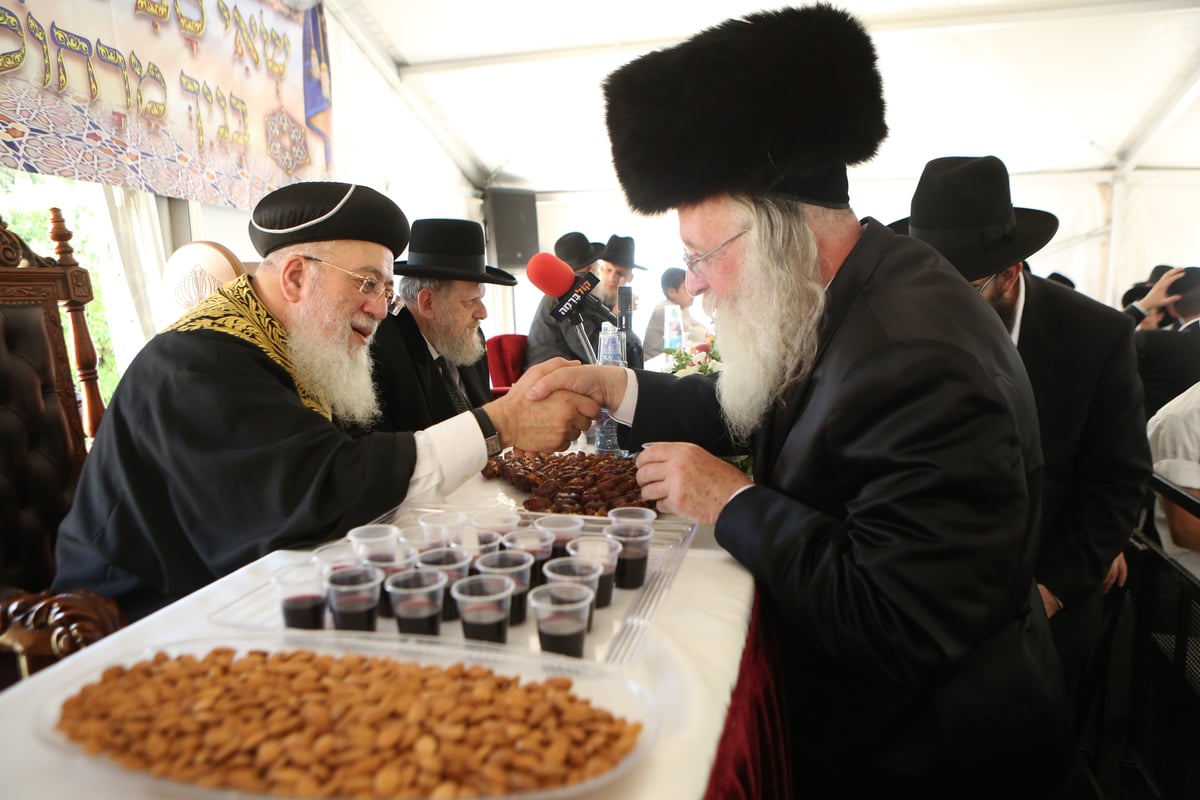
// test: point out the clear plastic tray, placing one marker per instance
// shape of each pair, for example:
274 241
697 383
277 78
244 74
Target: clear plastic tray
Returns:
617 631
605 686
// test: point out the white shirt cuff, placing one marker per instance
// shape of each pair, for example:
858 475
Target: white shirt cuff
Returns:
624 413
448 454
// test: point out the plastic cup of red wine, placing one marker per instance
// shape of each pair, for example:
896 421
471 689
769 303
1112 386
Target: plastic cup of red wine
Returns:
538 543
561 611
416 599
635 553
500 522
484 603
439 526
353 596
456 564
475 542
336 555
565 527
606 551
301 595
576 570
634 514
517 565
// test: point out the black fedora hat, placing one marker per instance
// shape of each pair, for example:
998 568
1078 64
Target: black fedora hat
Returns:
575 249
322 211
450 249
962 206
619 251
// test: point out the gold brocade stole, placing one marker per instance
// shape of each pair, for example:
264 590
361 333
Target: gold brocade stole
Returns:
235 309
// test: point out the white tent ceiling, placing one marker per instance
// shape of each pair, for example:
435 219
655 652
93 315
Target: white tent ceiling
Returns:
1098 96
513 88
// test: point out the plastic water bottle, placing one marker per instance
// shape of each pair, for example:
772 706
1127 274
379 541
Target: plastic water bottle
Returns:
610 352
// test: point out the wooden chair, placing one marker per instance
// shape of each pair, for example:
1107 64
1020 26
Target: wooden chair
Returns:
506 360
45 422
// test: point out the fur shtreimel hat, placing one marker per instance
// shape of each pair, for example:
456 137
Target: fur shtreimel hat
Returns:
322 211
777 102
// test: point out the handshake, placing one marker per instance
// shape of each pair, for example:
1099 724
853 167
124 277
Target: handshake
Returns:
553 402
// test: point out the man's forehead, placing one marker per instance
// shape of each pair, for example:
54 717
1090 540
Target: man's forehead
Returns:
365 257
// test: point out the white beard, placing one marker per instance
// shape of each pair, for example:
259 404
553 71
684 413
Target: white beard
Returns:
767 332
605 295
329 364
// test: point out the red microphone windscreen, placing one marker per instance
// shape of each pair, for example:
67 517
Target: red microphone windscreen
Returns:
550 273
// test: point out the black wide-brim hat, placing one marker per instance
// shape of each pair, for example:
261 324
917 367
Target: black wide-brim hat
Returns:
776 102
619 251
962 207
450 249
323 211
575 249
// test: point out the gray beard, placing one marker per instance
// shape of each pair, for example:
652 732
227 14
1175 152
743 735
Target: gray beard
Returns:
323 364
766 333
460 349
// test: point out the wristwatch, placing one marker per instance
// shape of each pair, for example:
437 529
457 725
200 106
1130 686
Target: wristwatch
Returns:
490 437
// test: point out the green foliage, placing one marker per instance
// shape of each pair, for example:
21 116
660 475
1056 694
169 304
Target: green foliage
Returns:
31 222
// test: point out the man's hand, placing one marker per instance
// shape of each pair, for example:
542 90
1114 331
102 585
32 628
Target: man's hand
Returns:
1159 296
1049 601
1118 571
605 385
546 426
688 480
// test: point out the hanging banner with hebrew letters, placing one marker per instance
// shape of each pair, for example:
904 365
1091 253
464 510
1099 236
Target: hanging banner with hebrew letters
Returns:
218 101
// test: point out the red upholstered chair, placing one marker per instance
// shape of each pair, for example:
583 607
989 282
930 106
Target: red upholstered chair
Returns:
45 419
506 360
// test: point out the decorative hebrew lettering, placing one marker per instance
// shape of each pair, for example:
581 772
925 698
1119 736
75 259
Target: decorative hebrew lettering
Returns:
74 43
159 10
39 35
153 108
115 59
190 26
192 86
242 136
223 133
243 40
273 42
11 59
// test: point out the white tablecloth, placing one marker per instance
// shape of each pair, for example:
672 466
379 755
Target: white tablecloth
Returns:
690 660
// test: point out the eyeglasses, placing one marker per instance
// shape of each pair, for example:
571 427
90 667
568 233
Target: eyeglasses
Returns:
984 285
691 261
372 287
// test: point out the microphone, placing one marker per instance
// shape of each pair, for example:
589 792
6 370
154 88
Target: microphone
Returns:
555 278
625 307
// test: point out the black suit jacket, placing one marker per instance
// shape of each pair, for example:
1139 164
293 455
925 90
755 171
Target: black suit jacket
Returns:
1168 363
412 394
1083 369
893 525
550 337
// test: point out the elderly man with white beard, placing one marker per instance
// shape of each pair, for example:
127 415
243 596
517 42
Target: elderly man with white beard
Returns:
891 522
225 438
430 361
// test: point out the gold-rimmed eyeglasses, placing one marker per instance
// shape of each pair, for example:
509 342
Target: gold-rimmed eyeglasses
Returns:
371 286
691 261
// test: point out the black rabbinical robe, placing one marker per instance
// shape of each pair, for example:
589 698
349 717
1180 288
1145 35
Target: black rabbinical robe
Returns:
211 456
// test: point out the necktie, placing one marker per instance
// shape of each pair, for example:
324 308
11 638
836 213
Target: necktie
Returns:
456 394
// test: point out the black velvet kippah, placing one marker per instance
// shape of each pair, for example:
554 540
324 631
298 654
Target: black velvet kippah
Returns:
322 211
